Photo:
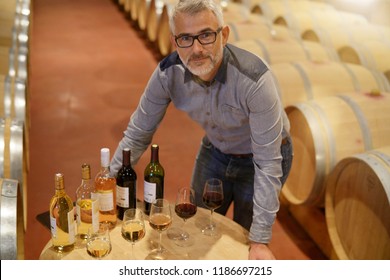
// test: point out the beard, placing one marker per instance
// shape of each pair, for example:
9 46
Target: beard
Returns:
210 61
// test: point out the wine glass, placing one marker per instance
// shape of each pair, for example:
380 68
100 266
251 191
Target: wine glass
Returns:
99 242
185 208
212 198
160 219
133 226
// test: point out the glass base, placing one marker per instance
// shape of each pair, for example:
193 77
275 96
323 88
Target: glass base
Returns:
185 240
174 233
157 254
210 230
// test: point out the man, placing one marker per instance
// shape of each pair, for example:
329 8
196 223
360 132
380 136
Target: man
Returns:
231 93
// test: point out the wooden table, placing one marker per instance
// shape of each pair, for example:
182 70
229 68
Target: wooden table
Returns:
230 244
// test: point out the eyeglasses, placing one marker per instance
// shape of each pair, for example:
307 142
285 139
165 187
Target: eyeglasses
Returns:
205 38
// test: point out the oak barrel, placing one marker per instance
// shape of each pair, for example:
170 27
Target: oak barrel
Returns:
287 50
306 80
153 19
163 32
11 230
372 54
255 29
13 160
273 9
357 206
327 130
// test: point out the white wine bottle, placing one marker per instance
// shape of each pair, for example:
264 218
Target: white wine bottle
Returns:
153 179
62 221
87 204
105 185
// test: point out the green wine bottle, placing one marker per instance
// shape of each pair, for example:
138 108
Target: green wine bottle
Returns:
153 179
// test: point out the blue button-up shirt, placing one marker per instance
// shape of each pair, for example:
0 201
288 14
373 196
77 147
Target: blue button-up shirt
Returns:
240 111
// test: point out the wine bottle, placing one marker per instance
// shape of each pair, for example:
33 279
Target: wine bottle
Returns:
62 221
126 185
87 204
153 179
105 185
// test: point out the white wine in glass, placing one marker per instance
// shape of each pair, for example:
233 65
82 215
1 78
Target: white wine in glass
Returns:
133 227
212 198
99 242
160 219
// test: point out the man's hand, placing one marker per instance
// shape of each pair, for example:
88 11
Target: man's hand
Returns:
259 251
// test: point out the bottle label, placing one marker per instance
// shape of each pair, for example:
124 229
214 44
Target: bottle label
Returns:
95 213
149 191
122 197
71 226
87 214
53 226
106 201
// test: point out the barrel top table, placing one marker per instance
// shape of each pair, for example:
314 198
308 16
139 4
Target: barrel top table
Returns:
232 242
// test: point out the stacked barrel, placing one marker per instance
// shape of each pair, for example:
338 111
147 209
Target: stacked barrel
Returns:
338 105
332 70
14 124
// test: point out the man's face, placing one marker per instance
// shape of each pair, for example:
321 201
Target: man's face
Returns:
202 60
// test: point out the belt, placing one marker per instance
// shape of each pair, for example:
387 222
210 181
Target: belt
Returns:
241 155
284 142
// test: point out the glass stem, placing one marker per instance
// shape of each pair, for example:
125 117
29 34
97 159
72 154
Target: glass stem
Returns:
132 251
159 244
211 219
184 234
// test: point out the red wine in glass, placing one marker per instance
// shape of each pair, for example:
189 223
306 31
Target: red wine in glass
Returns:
212 197
185 210
213 200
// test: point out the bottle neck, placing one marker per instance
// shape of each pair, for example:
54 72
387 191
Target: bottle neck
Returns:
126 157
59 183
154 154
85 172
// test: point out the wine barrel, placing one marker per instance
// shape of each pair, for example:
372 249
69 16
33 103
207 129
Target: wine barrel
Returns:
5 35
13 162
154 19
4 60
13 105
134 10
13 98
11 230
274 9
357 206
127 6
328 129
301 22
144 9
305 80
255 29
339 37
372 54
163 41
284 51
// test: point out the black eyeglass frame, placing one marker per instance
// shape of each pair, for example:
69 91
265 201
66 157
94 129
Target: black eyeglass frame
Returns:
196 37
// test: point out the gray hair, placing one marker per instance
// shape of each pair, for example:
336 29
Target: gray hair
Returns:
192 7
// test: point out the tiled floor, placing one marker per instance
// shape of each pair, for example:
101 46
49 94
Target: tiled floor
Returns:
88 67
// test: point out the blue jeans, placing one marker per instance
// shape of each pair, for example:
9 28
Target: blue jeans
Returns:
237 175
